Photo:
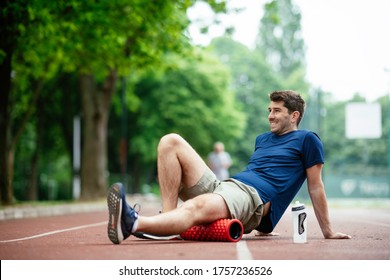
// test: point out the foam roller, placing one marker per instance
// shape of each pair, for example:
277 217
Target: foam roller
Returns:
230 230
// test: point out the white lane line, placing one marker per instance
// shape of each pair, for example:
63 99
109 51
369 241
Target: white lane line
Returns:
53 232
243 252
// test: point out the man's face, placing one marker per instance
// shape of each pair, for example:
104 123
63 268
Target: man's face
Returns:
279 119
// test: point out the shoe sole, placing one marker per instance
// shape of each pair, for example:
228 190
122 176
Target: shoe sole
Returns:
147 236
114 203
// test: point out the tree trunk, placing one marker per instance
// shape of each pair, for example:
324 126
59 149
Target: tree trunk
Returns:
7 43
6 193
95 112
32 189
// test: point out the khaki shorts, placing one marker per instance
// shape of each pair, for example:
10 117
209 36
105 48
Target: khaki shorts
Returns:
243 201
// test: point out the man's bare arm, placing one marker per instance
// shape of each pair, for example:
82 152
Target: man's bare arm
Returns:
320 204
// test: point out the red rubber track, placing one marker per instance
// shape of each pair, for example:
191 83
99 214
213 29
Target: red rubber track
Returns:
83 235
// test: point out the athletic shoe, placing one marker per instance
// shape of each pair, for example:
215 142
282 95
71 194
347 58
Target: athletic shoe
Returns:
122 217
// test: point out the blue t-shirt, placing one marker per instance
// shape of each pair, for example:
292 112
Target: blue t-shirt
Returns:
277 169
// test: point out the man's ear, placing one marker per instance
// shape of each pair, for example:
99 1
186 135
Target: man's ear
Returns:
295 116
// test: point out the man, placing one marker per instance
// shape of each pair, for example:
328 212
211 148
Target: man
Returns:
219 161
258 196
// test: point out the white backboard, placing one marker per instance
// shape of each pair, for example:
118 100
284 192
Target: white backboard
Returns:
363 120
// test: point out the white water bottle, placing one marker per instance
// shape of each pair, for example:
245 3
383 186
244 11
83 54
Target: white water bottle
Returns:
299 222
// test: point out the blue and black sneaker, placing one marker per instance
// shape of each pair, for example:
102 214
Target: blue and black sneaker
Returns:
122 217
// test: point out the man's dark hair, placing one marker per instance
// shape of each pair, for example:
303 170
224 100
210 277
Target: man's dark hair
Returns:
292 101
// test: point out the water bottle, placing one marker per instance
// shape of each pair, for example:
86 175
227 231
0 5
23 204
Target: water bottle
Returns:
299 222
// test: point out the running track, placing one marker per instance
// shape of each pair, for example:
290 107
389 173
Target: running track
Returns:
81 235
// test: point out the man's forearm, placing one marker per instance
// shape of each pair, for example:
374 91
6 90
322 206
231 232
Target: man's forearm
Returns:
320 206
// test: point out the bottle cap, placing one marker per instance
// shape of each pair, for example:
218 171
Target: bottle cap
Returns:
298 206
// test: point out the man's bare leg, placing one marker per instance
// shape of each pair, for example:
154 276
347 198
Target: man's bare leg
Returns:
202 209
178 164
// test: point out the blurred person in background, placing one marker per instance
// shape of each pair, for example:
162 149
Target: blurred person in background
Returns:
219 161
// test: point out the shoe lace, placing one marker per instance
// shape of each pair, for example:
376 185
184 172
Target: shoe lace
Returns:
137 207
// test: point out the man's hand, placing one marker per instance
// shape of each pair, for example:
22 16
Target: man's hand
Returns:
338 235
259 233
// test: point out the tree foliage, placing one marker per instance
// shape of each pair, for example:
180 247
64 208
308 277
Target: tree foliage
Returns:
189 96
280 37
98 41
252 80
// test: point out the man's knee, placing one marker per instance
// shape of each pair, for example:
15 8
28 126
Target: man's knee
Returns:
193 208
170 141
206 208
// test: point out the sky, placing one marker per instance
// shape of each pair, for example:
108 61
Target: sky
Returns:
347 42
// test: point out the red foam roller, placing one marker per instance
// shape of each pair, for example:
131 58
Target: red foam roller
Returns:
230 230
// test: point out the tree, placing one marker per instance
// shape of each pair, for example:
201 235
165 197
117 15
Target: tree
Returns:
280 38
8 33
131 36
97 40
25 64
276 63
190 96
252 80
